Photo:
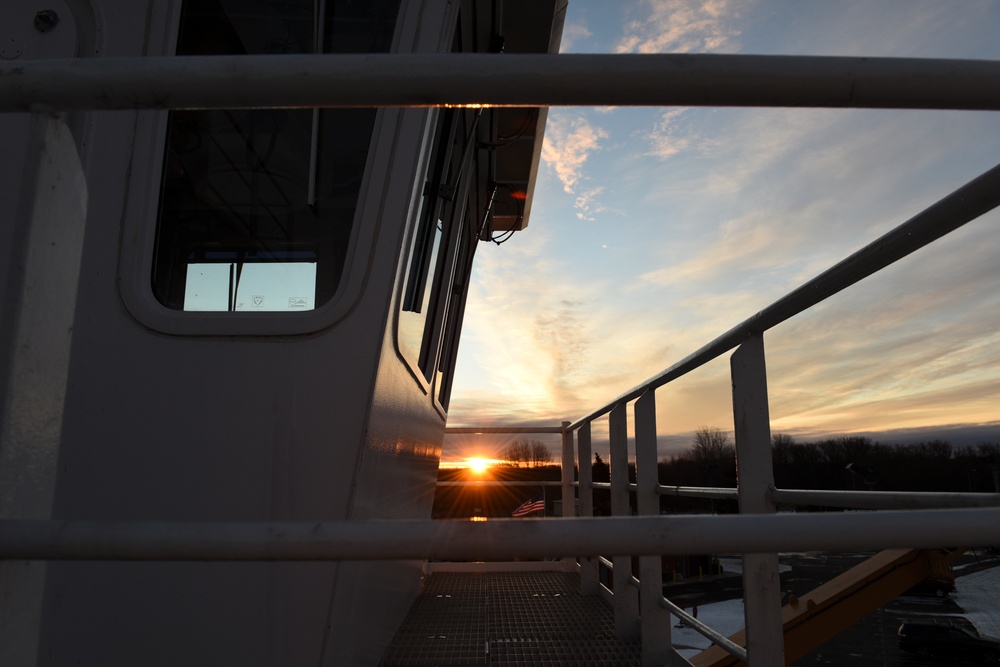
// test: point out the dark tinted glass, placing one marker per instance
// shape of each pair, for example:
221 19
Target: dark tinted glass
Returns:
257 205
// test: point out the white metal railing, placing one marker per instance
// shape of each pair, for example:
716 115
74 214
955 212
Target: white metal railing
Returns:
882 500
705 631
420 80
546 80
756 491
494 539
977 197
874 500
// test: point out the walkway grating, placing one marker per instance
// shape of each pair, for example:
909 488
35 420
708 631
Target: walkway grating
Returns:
510 618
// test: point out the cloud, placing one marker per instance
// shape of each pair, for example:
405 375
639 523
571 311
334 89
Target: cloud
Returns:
545 341
917 28
784 194
667 139
727 210
681 26
569 141
586 204
745 242
526 332
915 346
573 32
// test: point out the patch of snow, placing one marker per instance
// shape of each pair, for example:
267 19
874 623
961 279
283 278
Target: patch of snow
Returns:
723 617
977 594
982 559
735 565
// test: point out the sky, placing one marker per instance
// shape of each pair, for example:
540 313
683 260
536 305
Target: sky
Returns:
655 230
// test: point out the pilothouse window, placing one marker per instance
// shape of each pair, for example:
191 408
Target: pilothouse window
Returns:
260 287
257 206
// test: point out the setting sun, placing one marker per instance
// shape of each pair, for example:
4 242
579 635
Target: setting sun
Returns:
478 465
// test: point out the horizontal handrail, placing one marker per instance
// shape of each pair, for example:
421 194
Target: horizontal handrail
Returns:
834 498
491 430
874 500
424 80
714 636
498 483
495 539
718 493
883 500
421 80
978 196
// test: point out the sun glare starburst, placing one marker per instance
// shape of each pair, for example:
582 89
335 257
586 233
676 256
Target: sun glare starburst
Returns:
478 465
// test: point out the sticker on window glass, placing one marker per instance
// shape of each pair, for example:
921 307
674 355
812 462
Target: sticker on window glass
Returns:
263 287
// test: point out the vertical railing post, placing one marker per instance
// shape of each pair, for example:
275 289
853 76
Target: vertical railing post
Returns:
568 504
589 576
626 601
654 618
755 478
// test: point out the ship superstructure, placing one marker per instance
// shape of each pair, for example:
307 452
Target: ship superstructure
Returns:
230 322
256 318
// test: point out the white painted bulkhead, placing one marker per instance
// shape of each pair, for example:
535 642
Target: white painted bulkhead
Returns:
161 427
179 416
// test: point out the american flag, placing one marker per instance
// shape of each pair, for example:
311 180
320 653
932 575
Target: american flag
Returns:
536 504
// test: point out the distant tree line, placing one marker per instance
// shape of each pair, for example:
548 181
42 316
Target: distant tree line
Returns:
858 462
526 453
848 462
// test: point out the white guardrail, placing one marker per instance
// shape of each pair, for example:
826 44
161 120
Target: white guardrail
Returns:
549 80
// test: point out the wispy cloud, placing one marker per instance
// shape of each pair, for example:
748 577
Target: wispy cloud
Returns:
740 245
916 346
679 26
785 193
718 212
587 205
547 348
573 32
668 137
526 334
570 139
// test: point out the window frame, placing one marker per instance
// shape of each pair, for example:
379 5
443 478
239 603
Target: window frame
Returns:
137 254
141 211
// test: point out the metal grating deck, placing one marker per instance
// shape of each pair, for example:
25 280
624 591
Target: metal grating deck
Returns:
511 618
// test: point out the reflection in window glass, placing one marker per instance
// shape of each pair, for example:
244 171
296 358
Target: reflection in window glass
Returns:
468 238
267 195
411 331
265 287
423 269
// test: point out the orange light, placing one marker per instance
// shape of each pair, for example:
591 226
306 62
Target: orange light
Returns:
478 465
478 519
